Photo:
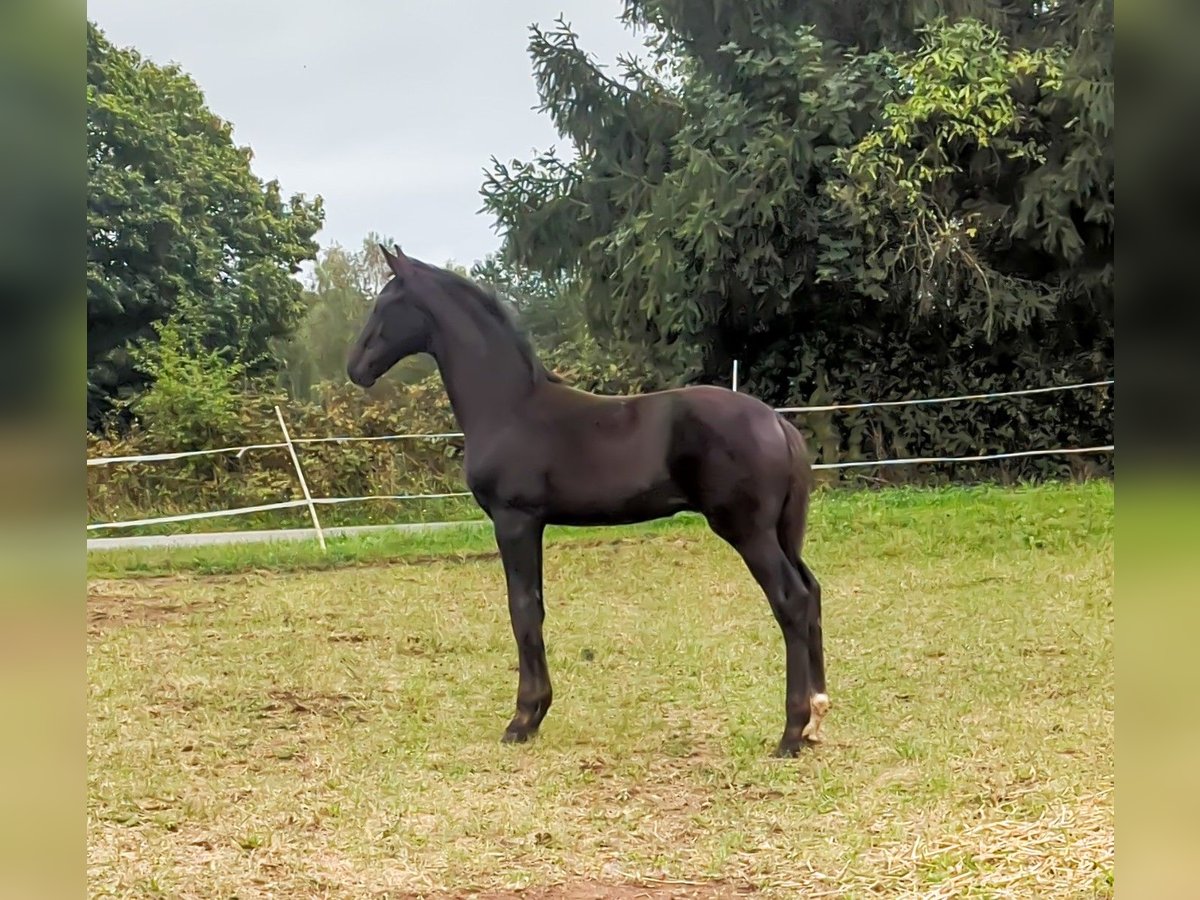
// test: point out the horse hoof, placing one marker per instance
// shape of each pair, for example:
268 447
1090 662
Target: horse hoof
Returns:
790 749
516 736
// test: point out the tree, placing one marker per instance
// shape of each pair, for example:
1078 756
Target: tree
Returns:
337 298
989 184
709 198
549 308
856 198
542 302
175 215
195 395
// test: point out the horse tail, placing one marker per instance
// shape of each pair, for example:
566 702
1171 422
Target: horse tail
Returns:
794 517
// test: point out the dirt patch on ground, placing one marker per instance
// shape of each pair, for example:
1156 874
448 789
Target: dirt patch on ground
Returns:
595 890
317 704
112 605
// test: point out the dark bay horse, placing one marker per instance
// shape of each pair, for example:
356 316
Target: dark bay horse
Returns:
540 452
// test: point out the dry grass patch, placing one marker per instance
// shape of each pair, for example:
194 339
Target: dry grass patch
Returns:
335 733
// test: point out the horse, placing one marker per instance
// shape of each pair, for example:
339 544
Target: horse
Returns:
540 452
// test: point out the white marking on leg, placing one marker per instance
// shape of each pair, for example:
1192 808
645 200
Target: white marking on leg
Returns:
819 706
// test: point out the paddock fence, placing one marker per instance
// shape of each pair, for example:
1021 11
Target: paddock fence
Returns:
312 504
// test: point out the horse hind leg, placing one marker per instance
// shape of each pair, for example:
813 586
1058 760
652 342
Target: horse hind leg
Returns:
790 529
790 602
802 580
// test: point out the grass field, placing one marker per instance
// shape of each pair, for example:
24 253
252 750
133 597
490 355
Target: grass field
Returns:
263 722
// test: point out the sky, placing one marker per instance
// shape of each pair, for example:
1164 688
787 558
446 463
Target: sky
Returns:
389 110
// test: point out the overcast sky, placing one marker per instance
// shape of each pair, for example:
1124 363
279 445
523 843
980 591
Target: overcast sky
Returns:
389 109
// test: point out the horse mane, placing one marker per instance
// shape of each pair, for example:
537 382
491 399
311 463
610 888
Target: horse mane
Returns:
488 302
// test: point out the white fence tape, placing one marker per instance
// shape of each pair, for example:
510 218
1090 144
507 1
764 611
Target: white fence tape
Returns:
349 439
392 497
292 504
311 501
1107 448
382 437
266 507
345 439
188 517
182 454
992 396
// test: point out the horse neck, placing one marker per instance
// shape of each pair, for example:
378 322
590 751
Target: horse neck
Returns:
485 374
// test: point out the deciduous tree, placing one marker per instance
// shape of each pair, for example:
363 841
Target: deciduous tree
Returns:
176 215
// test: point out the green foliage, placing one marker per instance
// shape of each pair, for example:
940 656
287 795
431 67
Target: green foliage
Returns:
233 412
176 217
858 200
957 89
550 310
343 286
967 115
545 307
194 394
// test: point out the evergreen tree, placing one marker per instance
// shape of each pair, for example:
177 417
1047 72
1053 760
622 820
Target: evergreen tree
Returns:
856 198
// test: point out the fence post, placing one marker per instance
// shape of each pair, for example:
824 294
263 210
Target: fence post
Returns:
735 374
312 507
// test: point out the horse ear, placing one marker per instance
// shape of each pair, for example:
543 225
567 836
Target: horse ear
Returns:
400 264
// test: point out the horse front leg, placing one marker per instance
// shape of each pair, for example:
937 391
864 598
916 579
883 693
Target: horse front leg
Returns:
519 537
